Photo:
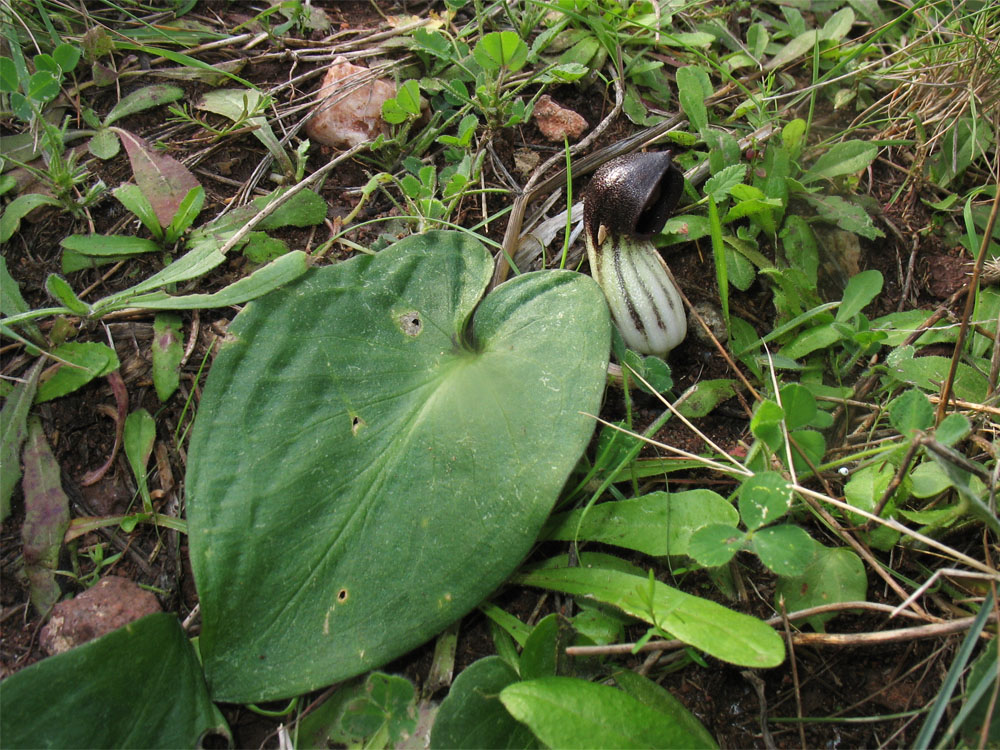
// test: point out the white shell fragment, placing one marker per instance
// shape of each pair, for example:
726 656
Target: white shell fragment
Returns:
350 106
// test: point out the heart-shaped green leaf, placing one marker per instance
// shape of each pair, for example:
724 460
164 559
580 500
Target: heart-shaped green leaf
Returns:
137 686
370 460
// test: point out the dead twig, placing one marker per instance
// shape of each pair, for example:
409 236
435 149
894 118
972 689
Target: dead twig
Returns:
970 302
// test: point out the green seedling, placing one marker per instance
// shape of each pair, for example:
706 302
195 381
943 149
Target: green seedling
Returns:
432 197
166 198
138 437
99 565
246 109
104 142
30 96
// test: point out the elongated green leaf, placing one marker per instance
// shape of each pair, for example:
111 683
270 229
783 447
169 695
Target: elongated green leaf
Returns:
408 458
929 372
168 352
843 158
18 208
238 105
275 274
84 362
565 712
62 292
693 88
182 59
304 209
702 397
132 197
8 76
142 99
198 261
544 650
811 340
187 212
721 632
12 303
837 26
13 430
688 39
138 439
860 290
138 686
846 214
986 709
107 245
656 524
719 254
795 48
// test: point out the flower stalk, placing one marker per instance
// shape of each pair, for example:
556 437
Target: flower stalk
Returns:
629 200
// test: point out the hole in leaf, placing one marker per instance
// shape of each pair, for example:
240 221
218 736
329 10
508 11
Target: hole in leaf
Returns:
356 424
342 596
410 323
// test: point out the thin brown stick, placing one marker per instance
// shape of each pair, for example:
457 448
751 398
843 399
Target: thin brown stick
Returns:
719 347
758 686
897 480
935 398
795 671
970 302
899 635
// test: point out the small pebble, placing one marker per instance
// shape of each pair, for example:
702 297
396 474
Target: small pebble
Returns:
556 122
349 111
713 318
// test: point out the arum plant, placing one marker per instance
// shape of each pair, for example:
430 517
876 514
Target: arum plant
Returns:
629 200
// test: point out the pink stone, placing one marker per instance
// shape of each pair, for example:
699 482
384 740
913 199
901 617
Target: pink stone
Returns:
350 106
110 603
557 122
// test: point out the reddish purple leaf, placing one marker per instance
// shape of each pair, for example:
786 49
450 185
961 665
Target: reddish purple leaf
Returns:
161 178
46 518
